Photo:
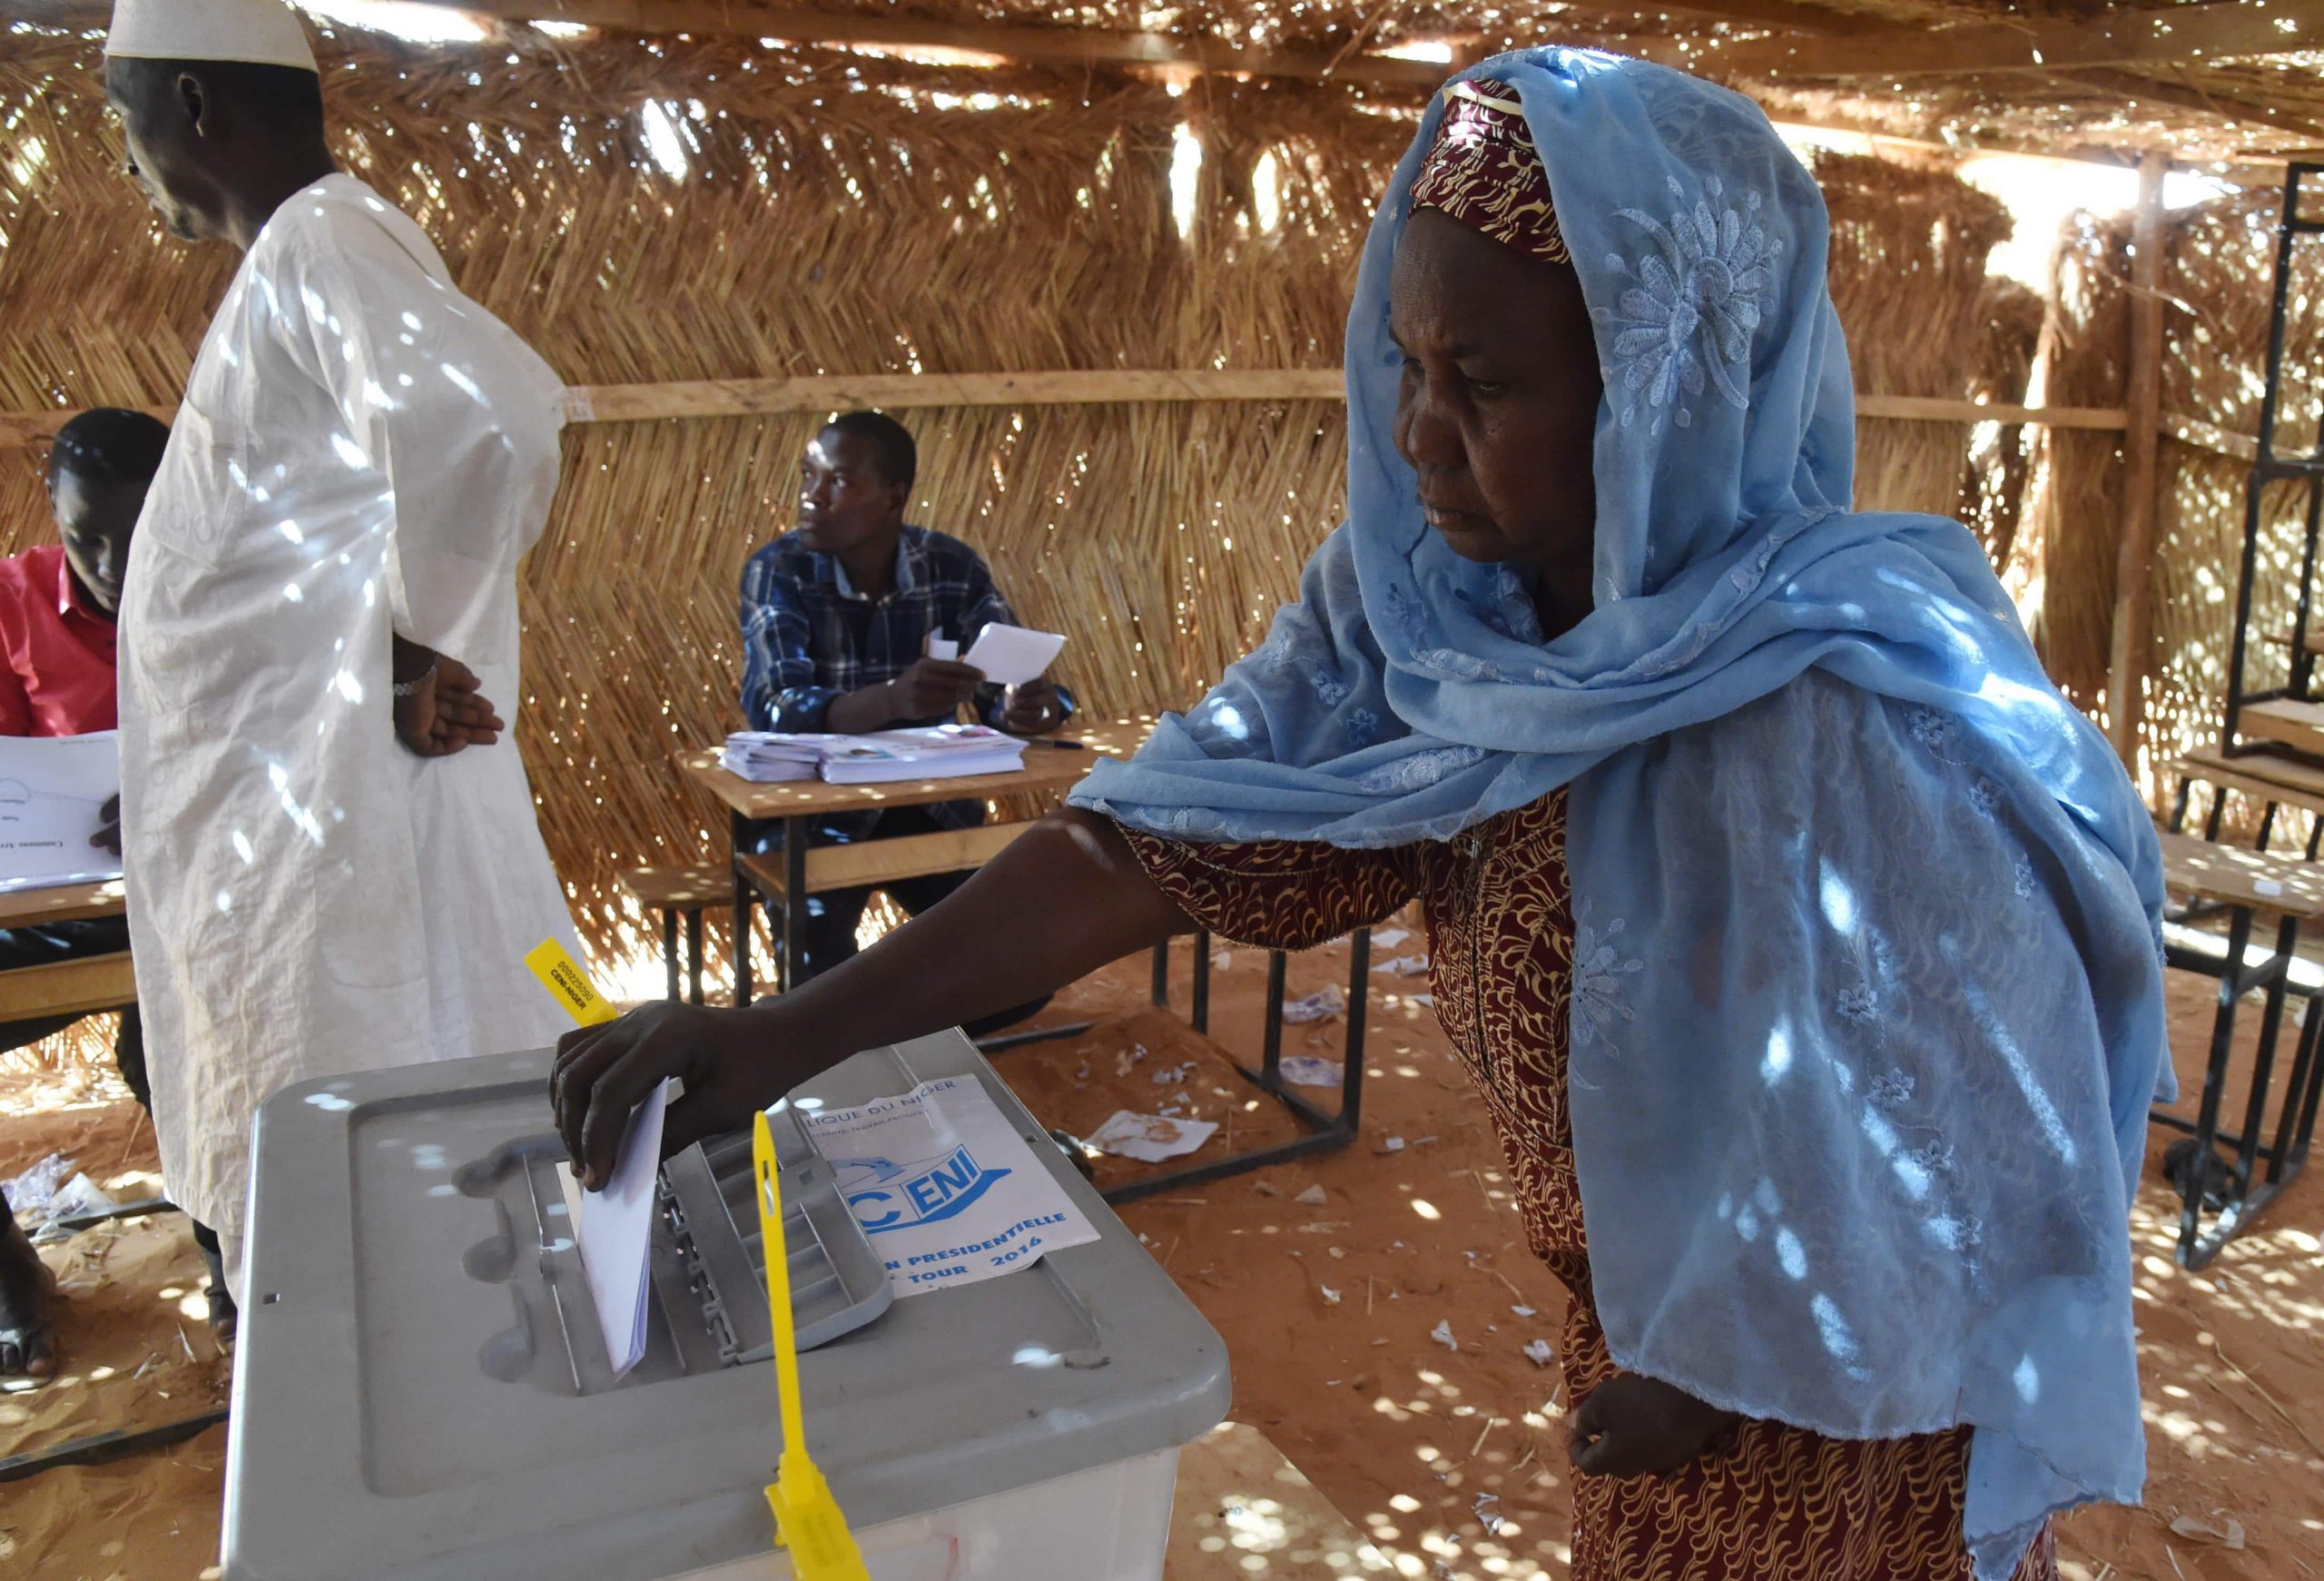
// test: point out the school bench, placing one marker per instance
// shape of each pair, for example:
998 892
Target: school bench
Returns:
2248 887
784 879
76 987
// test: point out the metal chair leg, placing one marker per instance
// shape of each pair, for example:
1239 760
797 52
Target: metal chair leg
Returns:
1201 1012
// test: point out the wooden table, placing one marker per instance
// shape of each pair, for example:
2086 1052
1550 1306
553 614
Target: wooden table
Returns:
80 986
798 804
2247 885
798 872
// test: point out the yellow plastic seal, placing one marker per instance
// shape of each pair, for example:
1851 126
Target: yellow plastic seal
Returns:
569 985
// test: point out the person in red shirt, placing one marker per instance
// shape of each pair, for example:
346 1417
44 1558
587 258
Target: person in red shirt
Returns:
58 605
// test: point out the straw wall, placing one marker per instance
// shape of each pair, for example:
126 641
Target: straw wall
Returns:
701 211
1909 276
2218 265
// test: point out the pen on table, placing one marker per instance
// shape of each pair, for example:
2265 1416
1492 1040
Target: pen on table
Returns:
1062 746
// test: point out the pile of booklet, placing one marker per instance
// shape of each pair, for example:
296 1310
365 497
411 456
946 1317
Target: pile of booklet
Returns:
881 757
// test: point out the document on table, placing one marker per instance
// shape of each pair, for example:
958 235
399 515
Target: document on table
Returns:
52 790
1010 656
615 1229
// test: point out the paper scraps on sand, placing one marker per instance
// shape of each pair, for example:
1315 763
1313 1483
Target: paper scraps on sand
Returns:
1150 1139
1307 1070
1443 1335
1406 967
1539 1353
2225 1530
1319 1006
1389 938
1313 1197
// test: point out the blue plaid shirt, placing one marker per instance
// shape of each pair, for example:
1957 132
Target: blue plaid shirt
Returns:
809 637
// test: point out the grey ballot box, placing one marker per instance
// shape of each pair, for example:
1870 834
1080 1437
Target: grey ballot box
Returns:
422 1394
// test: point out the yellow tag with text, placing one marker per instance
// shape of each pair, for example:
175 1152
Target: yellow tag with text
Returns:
568 984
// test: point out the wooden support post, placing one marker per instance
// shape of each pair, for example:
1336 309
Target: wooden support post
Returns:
2134 558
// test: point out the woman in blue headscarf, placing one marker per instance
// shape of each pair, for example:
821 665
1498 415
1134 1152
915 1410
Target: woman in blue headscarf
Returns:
1802 942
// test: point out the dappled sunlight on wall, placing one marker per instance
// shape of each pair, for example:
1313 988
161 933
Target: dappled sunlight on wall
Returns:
692 210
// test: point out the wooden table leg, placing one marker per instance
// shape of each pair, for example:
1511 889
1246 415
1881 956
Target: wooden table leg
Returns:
1201 1014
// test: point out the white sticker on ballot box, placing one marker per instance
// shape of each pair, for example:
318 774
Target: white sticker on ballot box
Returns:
947 1190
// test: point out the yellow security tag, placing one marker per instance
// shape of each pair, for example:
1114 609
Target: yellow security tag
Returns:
569 985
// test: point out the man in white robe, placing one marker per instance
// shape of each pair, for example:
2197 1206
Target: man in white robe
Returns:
332 866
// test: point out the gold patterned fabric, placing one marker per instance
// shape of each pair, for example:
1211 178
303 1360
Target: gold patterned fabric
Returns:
1771 1503
1484 171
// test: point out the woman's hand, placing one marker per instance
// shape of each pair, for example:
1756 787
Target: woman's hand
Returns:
1635 1426
734 1062
1064 899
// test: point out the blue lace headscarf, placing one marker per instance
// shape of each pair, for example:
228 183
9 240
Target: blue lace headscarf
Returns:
1867 1005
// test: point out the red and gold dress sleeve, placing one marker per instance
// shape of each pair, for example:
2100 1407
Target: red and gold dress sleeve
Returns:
1277 895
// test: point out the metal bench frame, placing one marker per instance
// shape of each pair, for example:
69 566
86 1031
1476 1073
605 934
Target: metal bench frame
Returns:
2287 1154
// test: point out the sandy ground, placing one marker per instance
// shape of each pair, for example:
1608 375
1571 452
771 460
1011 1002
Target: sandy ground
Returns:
1327 1309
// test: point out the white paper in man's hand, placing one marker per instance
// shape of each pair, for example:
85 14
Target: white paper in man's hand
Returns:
52 789
1010 656
615 1229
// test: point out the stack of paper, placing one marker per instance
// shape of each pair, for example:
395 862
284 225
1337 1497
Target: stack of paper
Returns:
944 752
766 758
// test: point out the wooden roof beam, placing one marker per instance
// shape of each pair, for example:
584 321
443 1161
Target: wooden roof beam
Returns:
2174 35
1787 15
2192 95
1060 46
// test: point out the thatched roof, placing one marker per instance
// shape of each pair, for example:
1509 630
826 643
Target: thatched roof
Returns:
2208 80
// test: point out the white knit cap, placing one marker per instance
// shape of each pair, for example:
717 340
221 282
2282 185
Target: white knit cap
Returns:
260 32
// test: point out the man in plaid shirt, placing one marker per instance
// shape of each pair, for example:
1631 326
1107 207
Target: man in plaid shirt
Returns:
837 618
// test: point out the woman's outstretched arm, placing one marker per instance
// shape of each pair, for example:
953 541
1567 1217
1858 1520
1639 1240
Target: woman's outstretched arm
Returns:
1064 899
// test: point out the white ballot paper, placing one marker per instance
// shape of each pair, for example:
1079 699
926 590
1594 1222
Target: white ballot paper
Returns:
615 1228
1150 1139
1010 656
947 1190
52 789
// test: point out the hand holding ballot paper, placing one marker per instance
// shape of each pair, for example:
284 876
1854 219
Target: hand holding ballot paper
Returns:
1019 660
1011 657
613 1227
59 810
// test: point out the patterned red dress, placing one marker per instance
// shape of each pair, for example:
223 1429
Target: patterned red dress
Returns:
1772 1503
